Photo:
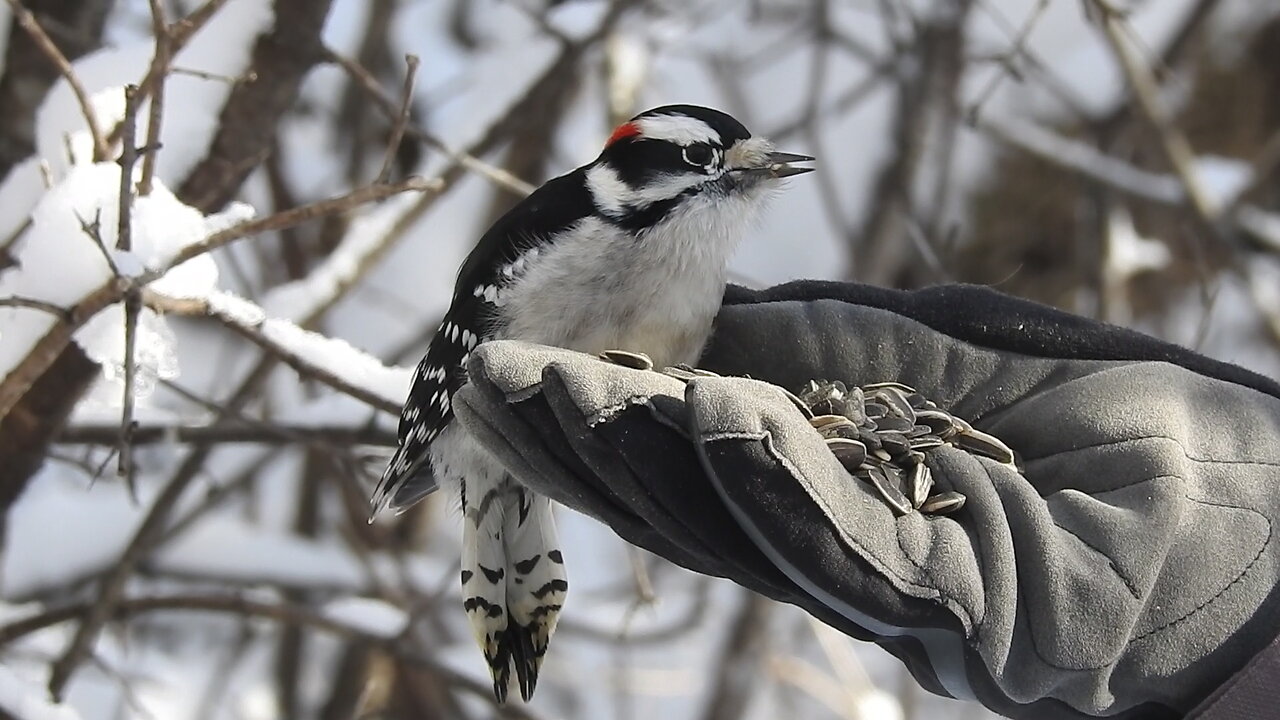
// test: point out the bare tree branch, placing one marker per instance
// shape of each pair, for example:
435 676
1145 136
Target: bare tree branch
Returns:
402 117
281 59
254 334
229 432
43 353
51 51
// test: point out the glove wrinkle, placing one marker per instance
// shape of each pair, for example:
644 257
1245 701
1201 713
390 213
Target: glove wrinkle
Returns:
1125 574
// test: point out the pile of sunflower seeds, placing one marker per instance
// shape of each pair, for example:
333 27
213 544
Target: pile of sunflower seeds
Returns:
879 432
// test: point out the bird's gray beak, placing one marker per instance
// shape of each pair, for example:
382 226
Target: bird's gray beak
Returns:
780 164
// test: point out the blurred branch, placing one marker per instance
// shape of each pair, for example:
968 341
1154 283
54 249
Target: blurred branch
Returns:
1119 175
1177 151
1083 159
247 124
737 663
286 613
388 105
924 108
402 117
42 40
230 432
28 74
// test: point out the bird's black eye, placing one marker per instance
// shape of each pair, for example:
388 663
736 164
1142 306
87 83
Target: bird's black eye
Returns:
699 155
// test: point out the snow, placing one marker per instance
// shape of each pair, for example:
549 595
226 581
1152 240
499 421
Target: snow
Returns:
297 300
238 552
28 701
192 105
60 263
333 355
368 615
1222 178
1128 253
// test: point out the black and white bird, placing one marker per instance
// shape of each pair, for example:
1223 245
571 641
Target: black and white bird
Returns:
629 252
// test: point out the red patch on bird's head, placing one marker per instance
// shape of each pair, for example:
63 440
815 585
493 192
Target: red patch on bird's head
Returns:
623 131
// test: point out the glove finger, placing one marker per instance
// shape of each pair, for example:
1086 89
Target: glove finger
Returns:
505 409
634 443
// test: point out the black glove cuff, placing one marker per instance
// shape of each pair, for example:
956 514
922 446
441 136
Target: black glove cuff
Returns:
987 318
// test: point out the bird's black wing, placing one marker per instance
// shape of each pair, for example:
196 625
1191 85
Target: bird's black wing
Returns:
504 250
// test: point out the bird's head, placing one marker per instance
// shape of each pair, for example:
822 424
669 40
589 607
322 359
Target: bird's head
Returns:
685 157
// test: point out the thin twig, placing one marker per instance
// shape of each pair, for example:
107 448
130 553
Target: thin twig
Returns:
160 71
402 118
179 33
132 303
35 304
249 76
55 56
497 176
94 231
1173 143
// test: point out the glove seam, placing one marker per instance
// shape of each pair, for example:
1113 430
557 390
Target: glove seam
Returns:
944 599
1174 440
611 412
1244 571
1129 584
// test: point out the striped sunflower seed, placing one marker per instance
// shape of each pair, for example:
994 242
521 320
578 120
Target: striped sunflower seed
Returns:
883 433
626 358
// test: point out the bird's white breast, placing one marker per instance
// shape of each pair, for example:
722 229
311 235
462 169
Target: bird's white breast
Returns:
601 288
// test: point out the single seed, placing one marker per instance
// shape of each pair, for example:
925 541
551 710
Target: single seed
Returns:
887 488
851 453
944 503
626 358
978 442
919 483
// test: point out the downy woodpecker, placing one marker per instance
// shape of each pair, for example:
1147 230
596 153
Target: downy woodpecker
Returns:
629 252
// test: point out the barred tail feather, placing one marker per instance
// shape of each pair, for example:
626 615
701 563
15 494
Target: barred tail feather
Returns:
484 578
536 583
403 483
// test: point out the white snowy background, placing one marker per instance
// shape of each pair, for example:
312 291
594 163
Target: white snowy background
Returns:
1032 77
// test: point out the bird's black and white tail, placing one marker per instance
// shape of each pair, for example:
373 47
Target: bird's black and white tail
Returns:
513 579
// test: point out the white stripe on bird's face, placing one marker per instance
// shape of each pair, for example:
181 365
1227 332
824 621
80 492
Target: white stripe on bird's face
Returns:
615 197
679 129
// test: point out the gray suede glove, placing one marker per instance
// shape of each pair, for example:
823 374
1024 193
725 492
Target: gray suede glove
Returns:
1127 571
